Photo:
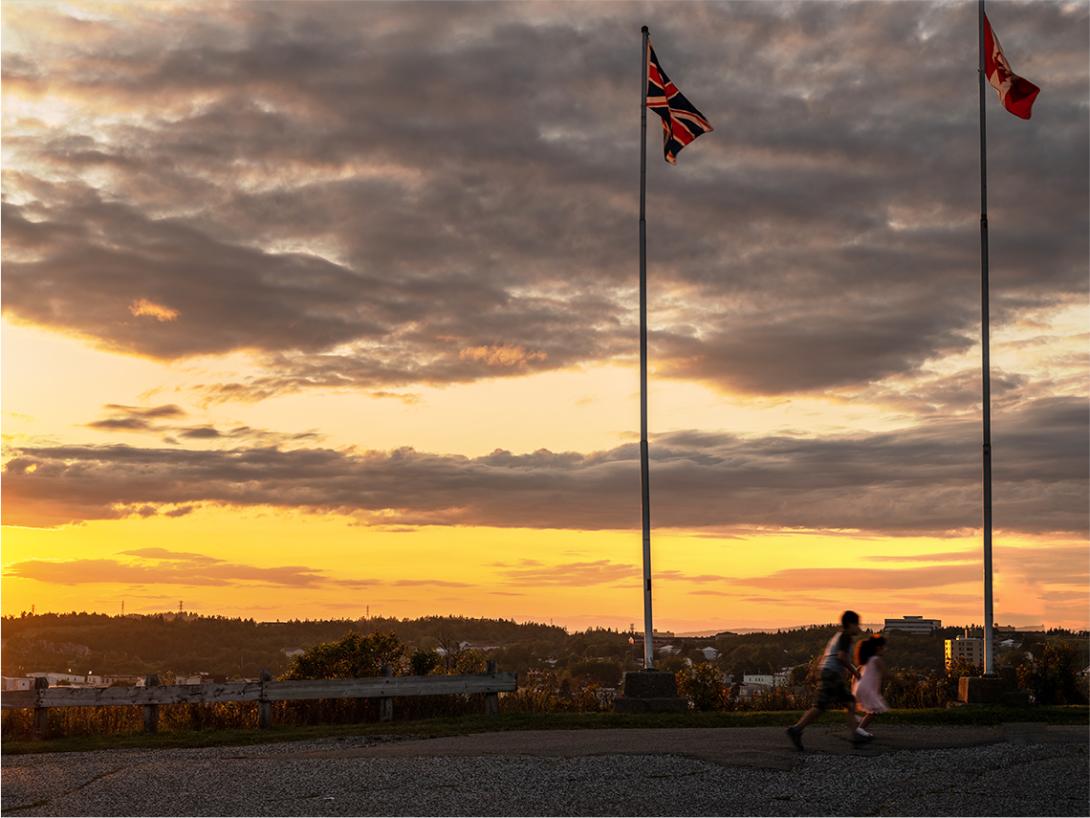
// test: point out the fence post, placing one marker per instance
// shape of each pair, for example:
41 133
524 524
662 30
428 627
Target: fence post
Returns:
151 711
41 713
264 706
386 705
491 700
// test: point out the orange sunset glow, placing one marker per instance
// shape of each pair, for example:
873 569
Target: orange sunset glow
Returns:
311 313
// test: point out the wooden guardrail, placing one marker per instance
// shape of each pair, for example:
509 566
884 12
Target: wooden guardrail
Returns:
386 688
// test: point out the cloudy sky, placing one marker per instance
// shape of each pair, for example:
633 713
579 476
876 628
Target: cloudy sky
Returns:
312 307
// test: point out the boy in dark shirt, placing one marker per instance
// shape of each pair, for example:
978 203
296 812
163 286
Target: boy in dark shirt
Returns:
834 689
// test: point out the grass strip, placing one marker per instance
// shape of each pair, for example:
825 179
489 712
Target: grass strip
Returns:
977 716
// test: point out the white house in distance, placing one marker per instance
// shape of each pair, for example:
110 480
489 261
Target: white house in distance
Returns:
780 679
710 653
18 683
55 679
483 647
79 680
757 683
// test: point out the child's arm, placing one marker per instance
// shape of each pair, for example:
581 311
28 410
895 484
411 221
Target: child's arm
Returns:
842 657
843 649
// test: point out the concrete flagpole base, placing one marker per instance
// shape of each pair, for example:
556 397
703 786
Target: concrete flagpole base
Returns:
650 691
980 689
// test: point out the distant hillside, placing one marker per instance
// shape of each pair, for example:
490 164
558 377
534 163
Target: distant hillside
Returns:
221 646
169 644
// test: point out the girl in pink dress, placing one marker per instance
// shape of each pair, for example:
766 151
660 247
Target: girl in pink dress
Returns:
867 689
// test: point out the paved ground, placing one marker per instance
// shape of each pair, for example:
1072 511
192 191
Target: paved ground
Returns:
1014 770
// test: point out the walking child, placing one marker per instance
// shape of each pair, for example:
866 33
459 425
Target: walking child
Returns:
868 689
836 669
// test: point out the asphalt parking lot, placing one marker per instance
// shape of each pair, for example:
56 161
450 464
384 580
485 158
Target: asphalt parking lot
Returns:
1012 770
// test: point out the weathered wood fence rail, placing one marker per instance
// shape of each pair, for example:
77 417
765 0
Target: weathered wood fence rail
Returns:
386 688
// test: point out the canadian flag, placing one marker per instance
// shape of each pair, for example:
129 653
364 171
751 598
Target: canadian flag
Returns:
1016 94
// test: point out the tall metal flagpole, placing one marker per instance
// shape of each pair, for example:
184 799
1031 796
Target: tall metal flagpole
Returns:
985 358
645 487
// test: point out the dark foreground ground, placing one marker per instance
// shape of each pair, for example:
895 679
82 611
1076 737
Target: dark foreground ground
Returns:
1023 769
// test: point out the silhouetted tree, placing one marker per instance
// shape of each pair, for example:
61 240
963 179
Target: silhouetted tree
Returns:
352 656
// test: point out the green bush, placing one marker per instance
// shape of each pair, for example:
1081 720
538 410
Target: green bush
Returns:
1052 674
423 662
469 661
537 693
352 656
702 684
907 688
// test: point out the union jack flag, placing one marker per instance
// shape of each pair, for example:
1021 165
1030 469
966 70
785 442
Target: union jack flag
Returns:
681 121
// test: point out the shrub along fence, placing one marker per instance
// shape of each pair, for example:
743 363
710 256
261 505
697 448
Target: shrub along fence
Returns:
385 688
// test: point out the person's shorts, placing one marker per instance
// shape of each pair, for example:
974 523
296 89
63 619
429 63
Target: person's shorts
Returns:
833 691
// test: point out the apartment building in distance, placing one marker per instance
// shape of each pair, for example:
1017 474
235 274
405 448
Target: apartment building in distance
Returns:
913 624
965 648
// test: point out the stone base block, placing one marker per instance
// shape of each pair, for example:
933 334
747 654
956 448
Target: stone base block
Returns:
630 704
650 684
650 691
980 690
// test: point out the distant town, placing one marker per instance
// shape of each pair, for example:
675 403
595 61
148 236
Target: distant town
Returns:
79 649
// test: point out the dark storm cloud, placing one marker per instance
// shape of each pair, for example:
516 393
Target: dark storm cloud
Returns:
374 194
924 479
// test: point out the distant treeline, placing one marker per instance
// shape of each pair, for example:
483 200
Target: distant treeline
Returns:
172 646
221 646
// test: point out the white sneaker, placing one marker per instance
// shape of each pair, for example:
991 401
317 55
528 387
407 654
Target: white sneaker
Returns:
859 731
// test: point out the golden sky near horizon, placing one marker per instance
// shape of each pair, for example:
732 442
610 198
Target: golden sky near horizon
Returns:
310 309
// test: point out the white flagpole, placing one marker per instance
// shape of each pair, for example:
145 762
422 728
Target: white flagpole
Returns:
645 488
986 400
